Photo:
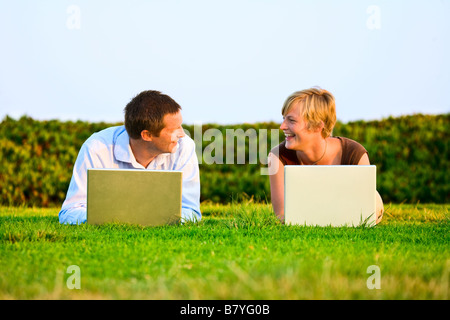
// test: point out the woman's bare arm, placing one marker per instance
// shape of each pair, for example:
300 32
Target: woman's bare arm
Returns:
380 207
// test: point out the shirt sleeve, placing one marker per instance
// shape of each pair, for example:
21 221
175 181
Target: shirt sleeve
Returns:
190 199
73 210
352 152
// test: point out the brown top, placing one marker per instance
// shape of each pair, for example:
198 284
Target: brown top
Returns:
352 152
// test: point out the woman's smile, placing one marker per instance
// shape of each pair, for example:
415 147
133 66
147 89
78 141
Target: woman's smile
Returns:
289 136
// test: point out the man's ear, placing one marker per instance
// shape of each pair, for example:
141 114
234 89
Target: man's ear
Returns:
146 135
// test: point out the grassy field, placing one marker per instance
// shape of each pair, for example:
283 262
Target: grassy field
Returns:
236 252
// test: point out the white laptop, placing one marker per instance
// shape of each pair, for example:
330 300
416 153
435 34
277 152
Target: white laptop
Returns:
144 197
330 195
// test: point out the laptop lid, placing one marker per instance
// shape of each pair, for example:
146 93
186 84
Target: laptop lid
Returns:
330 195
144 197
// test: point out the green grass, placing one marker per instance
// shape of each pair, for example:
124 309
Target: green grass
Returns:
236 252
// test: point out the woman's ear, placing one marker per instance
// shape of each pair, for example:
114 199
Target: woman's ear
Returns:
322 125
318 127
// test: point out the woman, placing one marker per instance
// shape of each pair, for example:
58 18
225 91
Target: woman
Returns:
309 117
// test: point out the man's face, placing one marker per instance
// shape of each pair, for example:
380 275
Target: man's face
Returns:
169 135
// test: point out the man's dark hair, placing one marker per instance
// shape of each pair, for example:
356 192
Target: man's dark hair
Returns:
146 111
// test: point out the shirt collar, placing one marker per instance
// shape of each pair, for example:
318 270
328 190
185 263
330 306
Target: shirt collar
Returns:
123 152
122 148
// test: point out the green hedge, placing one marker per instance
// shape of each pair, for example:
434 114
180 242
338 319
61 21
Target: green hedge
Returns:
411 154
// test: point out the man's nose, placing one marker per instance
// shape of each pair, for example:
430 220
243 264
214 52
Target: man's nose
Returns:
181 133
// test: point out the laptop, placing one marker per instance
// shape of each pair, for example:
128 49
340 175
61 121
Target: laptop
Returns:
143 197
330 195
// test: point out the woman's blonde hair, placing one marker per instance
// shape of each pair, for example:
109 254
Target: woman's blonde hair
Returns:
317 106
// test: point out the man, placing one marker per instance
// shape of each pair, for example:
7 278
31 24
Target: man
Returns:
152 139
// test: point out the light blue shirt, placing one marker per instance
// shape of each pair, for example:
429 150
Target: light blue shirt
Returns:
110 148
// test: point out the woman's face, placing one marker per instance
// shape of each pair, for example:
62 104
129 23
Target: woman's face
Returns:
295 128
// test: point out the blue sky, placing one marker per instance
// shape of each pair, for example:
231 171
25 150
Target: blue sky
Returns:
223 61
